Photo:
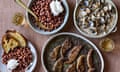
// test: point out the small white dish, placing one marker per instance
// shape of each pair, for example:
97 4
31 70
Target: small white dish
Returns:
3 67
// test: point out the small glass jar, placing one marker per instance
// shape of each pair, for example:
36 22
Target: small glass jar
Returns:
18 19
107 45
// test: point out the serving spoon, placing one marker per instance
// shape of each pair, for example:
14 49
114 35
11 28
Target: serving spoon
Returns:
19 2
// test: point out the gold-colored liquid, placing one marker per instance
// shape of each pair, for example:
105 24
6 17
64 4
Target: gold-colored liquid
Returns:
107 45
18 19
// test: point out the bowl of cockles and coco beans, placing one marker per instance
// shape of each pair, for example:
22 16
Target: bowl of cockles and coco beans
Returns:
95 18
53 14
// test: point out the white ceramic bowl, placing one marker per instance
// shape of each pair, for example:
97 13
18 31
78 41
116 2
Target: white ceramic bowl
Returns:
74 35
96 36
36 29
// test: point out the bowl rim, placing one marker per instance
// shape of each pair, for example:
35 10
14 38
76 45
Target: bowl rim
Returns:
75 35
99 36
35 58
55 30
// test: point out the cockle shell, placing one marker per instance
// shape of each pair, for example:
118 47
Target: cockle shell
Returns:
96 17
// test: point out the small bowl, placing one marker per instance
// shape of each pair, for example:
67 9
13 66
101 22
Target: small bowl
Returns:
107 45
113 29
36 29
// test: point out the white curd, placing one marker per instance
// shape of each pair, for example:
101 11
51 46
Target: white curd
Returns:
12 64
56 7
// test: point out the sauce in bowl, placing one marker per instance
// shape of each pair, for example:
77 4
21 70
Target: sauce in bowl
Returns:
107 45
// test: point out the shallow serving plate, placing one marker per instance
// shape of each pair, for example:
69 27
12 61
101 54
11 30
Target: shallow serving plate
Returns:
3 67
113 29
36 29
76 39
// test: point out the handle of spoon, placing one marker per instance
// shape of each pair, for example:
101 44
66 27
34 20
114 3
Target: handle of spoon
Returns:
19 2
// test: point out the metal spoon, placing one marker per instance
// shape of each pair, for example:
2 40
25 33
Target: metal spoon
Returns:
19 2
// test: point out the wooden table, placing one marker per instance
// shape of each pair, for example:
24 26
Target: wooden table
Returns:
8 8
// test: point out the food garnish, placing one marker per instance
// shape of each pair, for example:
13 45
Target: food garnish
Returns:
56 7
12 64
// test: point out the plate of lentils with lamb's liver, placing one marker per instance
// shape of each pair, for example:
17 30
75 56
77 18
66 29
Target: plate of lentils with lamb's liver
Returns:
69 52
52 14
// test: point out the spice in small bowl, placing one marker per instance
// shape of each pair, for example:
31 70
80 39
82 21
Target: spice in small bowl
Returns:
107 45
18 19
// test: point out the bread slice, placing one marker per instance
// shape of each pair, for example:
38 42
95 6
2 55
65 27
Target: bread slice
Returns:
13 39
9 43
19 37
